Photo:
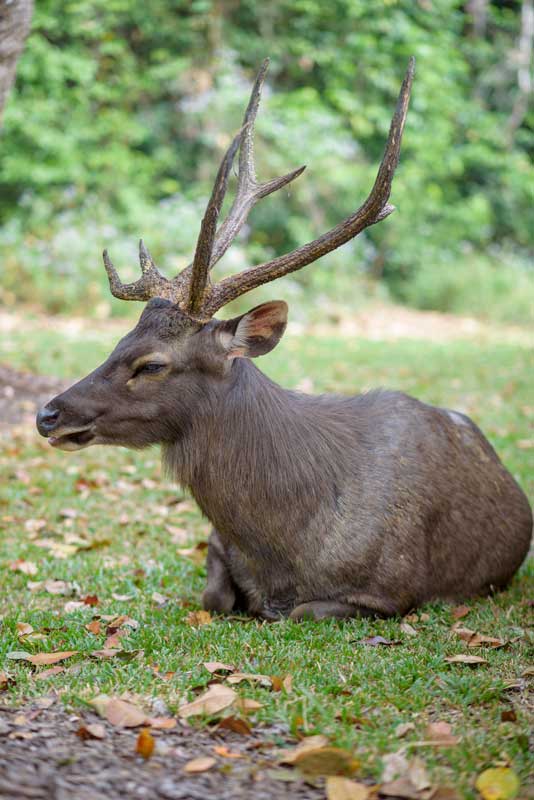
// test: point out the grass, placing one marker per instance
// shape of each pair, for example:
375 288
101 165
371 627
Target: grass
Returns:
356 695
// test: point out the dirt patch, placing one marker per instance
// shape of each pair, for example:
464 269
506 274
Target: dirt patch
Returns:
22 394
44 758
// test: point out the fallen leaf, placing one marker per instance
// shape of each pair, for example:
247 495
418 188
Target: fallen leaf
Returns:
159 599
528 672
460 611
308 743
201 764
73 605
326 761
466 659
123 714
5 681
238 677
197 554
223 751
408 629
244 704
24 628
90 600
57 587
93 731
440 733
216 699
498 783
287 683
395 766
480 640
418 775
508 715
145 743
26 567
377 641
218 666
198 618
94 627
47 658
401 788
162 723
404 728
49 673
122 598
344 789
235 724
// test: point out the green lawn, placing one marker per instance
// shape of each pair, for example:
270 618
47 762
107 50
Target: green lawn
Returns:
107 523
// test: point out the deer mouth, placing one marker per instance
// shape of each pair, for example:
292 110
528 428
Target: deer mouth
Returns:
73 440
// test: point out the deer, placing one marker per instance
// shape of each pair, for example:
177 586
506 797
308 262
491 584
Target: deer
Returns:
322 506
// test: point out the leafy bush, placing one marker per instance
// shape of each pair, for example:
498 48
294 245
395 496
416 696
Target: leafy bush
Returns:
122 110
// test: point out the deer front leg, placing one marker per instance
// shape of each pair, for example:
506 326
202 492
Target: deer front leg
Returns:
221 592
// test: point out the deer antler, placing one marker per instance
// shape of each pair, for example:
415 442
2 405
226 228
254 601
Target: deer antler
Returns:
191 289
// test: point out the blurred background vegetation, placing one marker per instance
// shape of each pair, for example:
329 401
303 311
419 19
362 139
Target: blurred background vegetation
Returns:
121 111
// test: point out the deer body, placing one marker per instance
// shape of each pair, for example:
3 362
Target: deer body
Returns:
377 502
321 506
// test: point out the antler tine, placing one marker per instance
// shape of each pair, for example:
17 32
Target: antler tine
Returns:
374 209
151 283
206 238
249 191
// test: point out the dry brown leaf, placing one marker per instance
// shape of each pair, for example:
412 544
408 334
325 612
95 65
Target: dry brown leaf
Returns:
466 659
460 611
145 743
418 775
408 629
244 704
308 743
404 728
123 714
106 653
50 658
378 641
395 766
401 788
216 699
162 723
441 735
218 666
344 789
528 672
480 640
72 605
26 567
326 761
201 764
287 683
198 618
49 673
238 677
223 751
24 628
159 599
94 627
235 724
93 731
57 587
90 600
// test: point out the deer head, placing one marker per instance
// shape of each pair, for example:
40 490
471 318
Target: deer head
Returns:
177 359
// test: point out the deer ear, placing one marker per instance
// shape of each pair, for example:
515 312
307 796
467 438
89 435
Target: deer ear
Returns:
255 333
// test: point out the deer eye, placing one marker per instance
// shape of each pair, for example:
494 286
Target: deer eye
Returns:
150 368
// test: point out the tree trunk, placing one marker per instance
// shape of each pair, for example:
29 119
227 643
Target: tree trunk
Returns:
15 17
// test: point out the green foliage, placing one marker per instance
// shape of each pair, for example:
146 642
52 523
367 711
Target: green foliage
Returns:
121 112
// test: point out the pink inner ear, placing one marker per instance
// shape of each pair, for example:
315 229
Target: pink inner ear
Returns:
262 321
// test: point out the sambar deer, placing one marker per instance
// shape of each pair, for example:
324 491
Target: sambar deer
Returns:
321 506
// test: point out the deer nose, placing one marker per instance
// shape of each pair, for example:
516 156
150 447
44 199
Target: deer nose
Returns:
46 420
